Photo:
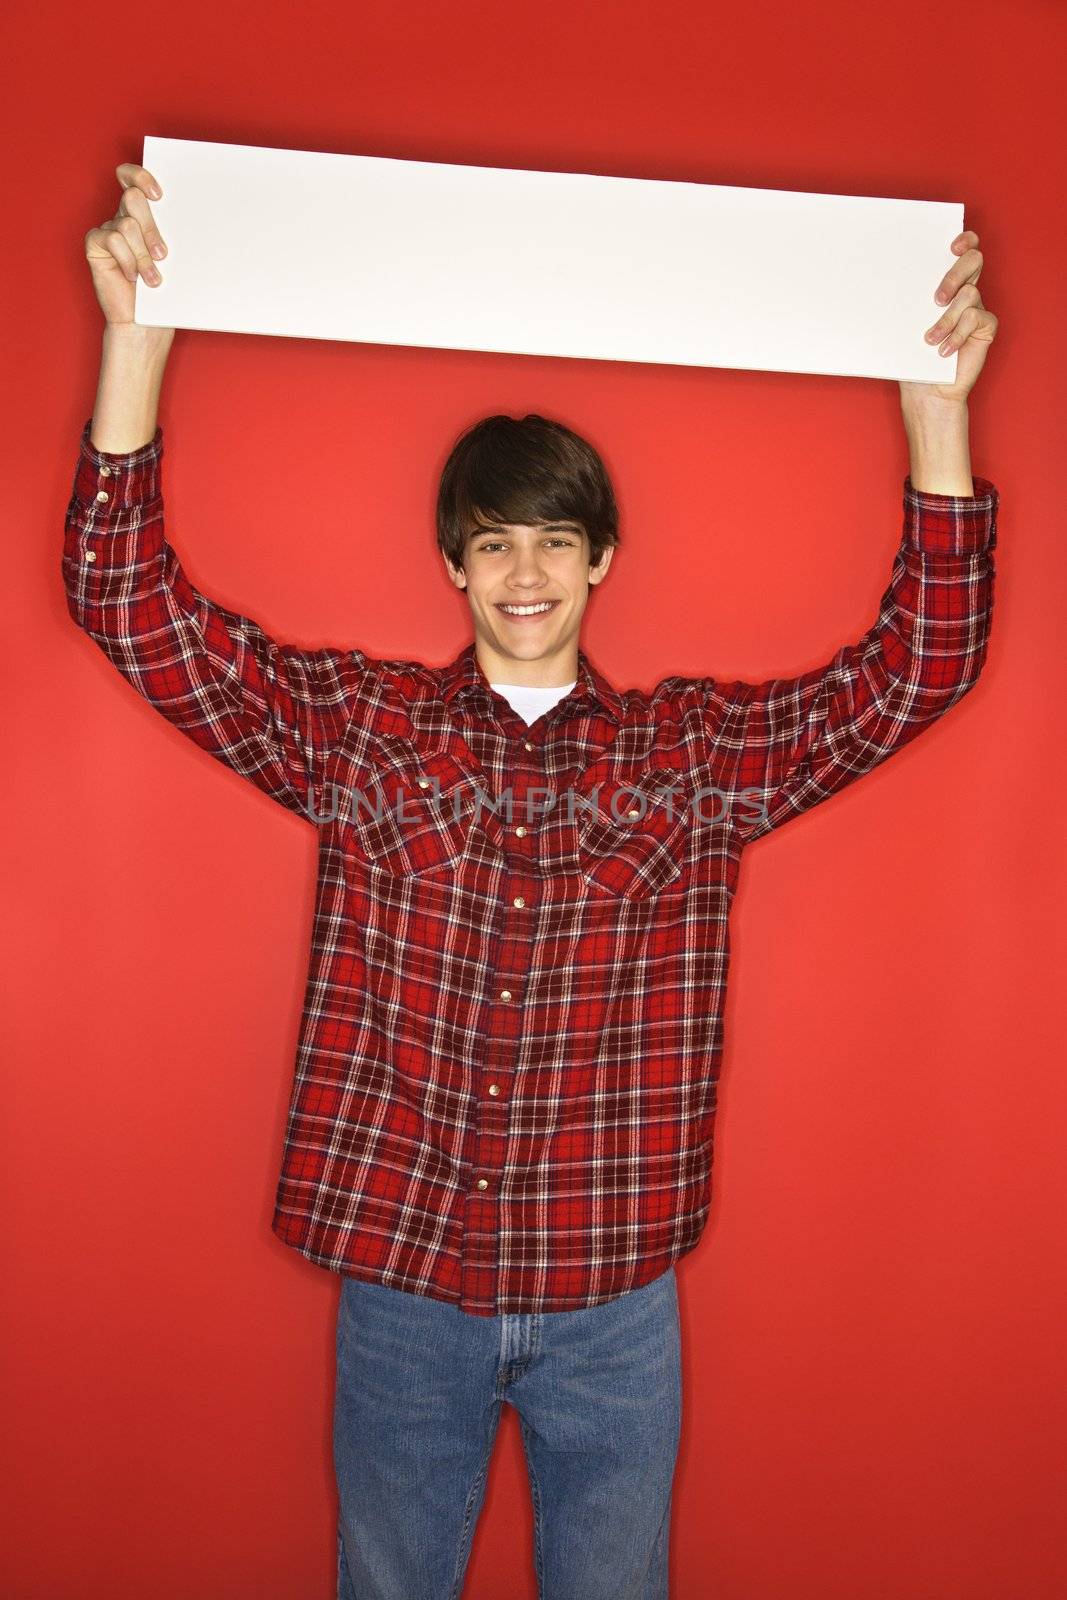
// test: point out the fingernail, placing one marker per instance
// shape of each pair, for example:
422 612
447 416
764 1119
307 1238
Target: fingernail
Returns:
157 251
156 192
941 297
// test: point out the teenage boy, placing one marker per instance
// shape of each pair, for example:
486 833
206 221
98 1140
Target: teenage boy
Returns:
501 1122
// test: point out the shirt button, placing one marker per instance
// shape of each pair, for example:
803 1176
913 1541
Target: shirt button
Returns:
494 1088
90 555
505 994
521 832
518 901
483 1183
105 472
102 494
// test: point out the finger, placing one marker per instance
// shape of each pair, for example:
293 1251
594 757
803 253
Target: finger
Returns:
117 246
130 229
968 269
975 320
949 319
130 174
134 204
967 240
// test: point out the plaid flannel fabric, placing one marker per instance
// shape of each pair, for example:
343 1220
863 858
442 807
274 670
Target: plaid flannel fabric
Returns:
504 1091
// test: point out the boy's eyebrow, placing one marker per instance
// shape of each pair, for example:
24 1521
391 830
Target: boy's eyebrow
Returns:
545 527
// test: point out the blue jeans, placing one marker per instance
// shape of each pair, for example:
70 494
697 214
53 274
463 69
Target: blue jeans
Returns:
419 1389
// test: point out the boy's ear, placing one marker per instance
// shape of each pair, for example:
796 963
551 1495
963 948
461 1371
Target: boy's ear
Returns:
598 572
456 575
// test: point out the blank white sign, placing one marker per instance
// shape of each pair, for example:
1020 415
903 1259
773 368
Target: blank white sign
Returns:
315 245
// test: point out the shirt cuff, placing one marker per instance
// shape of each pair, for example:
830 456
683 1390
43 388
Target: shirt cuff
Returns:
951 524
115 480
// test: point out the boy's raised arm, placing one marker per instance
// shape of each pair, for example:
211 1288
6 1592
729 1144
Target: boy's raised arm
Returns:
271 711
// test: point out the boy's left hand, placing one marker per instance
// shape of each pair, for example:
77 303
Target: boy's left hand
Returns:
964 325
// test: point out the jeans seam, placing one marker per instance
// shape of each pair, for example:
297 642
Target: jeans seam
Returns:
535 1494
462 1552
660 1547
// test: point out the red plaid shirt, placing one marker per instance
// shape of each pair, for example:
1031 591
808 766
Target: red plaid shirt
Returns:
505 1083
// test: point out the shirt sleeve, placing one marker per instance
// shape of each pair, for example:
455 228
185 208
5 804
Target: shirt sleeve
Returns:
270 711
779 747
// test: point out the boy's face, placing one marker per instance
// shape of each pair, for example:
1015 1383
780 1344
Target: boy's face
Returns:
515 565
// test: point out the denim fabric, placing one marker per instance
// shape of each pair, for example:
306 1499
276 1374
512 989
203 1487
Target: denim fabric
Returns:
420 1385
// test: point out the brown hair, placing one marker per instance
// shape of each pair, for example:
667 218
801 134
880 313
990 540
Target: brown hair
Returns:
536 470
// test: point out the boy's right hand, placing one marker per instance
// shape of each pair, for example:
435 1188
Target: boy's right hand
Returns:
122 248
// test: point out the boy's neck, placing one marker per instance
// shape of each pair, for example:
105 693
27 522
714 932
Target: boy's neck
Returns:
555 671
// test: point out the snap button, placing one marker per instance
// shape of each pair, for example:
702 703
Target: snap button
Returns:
505 994
494 1088
518 901
483 1183
520 832
105 472
90 555
102 494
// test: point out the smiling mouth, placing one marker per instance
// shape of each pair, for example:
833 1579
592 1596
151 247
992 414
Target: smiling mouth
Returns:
520 613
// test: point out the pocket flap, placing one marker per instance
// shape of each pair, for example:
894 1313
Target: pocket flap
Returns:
632 842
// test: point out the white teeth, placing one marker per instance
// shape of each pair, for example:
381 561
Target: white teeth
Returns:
528 611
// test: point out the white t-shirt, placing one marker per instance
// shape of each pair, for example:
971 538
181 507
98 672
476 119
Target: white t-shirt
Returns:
531 703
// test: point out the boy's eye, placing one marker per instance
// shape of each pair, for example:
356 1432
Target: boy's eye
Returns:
495 544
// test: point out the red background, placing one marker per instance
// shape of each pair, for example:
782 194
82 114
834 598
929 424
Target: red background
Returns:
873 1323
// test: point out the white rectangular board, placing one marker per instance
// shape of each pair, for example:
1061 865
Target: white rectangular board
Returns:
314 245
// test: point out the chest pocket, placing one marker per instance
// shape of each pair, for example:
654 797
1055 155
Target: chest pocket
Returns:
634 842
411 815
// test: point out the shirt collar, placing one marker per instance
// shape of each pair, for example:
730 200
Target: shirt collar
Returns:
464 680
